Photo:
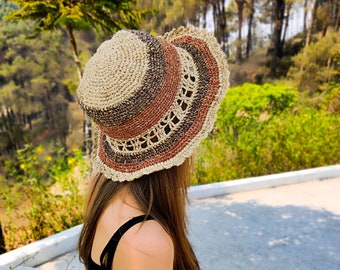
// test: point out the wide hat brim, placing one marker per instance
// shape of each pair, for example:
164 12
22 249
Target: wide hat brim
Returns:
152 99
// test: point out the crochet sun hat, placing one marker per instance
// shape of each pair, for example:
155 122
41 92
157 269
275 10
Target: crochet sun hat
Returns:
152 99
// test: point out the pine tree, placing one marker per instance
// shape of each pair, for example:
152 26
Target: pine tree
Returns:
105 16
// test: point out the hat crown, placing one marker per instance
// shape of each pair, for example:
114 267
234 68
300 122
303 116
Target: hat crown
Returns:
113 74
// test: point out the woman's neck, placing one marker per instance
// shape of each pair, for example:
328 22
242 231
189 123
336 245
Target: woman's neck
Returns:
129 200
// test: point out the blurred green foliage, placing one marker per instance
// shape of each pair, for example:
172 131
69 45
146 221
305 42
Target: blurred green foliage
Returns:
34 99
263 130
317 64
42 193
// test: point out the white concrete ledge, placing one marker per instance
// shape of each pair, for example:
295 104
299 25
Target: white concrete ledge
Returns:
41 251
54 246
260 182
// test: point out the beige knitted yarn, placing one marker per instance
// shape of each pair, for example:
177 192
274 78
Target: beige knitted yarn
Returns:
153 99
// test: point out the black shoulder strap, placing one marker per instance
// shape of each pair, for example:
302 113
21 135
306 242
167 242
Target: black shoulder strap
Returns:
111 246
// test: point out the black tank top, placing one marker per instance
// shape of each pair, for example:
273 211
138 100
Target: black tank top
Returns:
106 257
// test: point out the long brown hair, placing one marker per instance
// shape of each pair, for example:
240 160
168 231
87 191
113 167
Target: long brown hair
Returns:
162 194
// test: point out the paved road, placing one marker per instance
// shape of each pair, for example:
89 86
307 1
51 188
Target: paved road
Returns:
289 227
294 227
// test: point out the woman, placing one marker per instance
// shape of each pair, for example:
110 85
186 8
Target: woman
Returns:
152 101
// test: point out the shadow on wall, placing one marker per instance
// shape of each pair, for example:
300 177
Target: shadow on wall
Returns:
253 236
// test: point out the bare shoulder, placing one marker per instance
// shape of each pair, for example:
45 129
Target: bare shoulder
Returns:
146 246
150 238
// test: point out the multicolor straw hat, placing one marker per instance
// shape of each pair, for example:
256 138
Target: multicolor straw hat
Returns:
152 99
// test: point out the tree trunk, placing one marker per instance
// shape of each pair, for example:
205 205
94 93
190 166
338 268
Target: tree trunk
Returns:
250 25
204 13
330 8
240 6
312 23
88 135
337 20
2 241
305 13
278 14
222 24
87 120
75 51
324 30
289 7
334 7
215 19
